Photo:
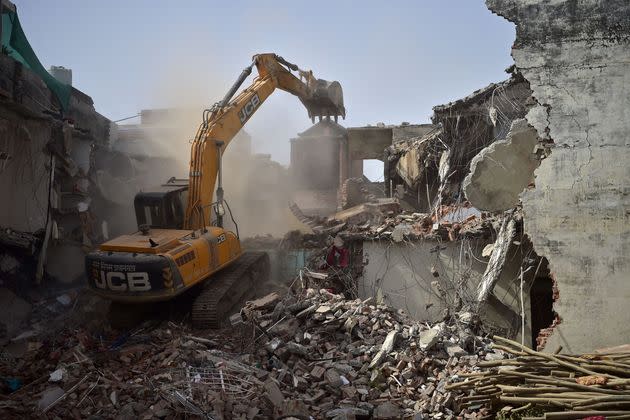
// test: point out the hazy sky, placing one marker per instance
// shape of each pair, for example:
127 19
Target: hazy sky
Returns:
394 59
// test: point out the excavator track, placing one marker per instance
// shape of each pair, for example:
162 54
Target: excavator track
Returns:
224 290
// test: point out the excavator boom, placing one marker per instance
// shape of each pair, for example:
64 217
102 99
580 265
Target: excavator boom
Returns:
223 121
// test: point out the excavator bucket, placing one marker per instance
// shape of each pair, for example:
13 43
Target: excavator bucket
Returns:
326 101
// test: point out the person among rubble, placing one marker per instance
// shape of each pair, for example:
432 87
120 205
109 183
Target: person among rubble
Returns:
338 256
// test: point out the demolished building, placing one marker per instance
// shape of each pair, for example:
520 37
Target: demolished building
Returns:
327 163
70 172
505 216
441 253
491 158
49 131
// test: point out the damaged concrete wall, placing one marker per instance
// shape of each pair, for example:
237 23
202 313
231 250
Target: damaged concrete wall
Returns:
425 278
23 167
316 167
501 171
575 56
477 120
46 159
369 142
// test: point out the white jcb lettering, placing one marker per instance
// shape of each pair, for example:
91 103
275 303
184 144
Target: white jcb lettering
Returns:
121 282
100 281
249 108
118 286
138 282
255 101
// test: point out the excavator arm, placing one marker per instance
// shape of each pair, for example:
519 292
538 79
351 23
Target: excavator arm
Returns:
224 120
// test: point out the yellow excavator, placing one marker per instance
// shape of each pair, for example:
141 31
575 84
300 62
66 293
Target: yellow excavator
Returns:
181 241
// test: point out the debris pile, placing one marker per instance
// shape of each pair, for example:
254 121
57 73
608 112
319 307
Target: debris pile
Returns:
446 223
550 386
384 219
313 354
341 357
154 371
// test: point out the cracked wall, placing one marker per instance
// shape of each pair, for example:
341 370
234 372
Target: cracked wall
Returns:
428 279
501 171
575 55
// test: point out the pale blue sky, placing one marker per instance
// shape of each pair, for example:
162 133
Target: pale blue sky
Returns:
395 59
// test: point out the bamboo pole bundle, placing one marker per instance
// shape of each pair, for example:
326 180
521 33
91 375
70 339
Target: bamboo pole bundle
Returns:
563 386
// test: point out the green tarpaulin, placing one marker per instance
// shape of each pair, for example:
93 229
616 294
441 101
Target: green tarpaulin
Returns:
15 44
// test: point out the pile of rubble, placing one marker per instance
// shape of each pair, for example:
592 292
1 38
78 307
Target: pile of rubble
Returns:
91 370
312 354
384 219
414 226
342 358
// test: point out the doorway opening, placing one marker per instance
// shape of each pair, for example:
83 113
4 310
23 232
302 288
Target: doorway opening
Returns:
373 170
542 297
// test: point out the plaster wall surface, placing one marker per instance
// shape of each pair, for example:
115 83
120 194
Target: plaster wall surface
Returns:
409 131
576 56
401 275
368 142
24 177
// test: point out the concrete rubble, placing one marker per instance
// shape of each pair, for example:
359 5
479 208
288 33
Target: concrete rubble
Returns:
304 353
310 353
501 171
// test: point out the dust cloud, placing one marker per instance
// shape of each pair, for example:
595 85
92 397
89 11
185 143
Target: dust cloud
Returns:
257 188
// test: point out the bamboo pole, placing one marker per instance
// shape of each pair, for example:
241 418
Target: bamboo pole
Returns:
551 357
570 415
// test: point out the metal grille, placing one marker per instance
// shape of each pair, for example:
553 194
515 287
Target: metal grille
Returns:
194 388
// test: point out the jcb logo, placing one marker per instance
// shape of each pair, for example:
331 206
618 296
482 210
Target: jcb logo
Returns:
249 108
121 282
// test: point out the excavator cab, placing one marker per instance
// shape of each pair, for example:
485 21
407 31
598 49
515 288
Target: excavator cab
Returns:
162 207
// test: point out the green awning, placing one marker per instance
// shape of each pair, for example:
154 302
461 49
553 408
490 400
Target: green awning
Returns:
16 46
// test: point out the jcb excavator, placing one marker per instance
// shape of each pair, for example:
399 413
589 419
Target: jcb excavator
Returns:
179 243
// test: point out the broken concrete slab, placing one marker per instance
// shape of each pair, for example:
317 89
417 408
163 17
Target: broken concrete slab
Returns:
49 396
428 338
387 347
333 378
408 167
368 211
390 340
57 375
273 393
386 411
497 258
455 351
501 171
399 232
